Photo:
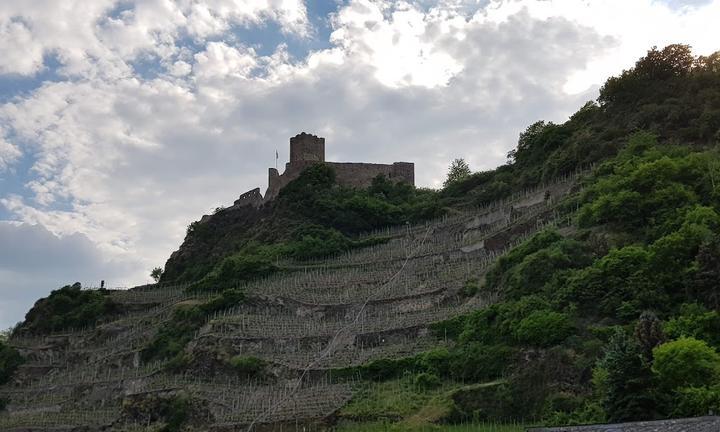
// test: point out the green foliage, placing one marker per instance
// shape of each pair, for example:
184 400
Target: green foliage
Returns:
628 381
543 328
470 288
537 268
174 334
426 381
685 362
648 241
248 367
252 262
458 170
587 413
696 401
500 323
67 308
657 66
695 321
156 274
498 275
476 362
316 196
10 359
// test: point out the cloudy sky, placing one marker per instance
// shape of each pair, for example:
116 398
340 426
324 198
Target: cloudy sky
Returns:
121 121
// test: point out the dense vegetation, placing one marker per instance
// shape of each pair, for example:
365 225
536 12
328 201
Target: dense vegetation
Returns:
69 307
669 93
10 359
172 337
618 320
320 219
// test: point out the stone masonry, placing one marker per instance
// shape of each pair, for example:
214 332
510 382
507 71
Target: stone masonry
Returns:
306 150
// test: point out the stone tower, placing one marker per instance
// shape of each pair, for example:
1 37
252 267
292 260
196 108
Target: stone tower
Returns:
307 148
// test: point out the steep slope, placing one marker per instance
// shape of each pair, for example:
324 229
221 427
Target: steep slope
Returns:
558 288
267 359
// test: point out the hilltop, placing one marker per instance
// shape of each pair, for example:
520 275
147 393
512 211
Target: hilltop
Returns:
575 284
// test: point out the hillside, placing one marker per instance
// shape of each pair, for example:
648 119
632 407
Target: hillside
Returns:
576 284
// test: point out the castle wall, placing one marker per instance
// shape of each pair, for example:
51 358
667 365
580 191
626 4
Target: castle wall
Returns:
360 175
307 149
351 174
253 198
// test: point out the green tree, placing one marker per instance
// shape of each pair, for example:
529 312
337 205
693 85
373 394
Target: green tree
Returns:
543 328
459 170
649 333
685 362
156 274
697 322
628 381
10 359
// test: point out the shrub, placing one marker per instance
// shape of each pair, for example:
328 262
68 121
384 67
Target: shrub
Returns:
172 337
10 359
248 367
696 401
544 328
695 321
470 288
426 381
316 242
685 362
66 308
477 362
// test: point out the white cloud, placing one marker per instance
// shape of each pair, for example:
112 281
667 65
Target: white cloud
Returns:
91 43
25 61
9 153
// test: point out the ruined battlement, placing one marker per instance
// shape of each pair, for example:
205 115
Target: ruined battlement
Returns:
307 149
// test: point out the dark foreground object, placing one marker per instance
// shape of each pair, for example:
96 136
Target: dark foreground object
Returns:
696 424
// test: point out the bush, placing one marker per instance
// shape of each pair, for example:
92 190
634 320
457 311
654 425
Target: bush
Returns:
685 362
697 322
477 362
426 381
315 241
544 328
696 401
10 359
248 367
243 266
69 307
172 337
470 288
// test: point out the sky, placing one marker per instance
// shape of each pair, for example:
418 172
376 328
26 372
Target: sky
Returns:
122 121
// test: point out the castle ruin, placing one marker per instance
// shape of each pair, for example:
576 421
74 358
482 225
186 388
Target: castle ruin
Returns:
306 150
